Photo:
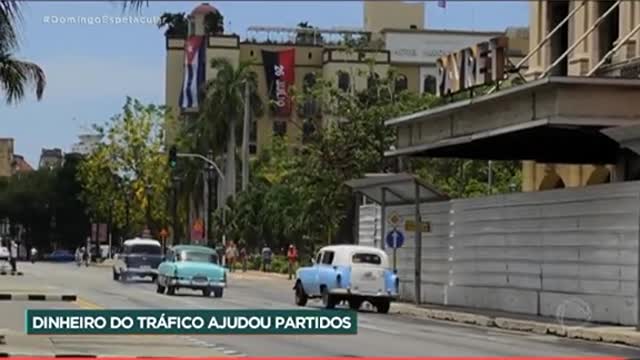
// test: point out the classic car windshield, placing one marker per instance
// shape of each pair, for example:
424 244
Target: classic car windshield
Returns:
197 256
145 249
364 258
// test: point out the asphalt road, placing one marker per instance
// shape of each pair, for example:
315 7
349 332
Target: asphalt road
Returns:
378 335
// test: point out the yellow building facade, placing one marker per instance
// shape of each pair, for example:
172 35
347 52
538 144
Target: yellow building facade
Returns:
387 25
598 39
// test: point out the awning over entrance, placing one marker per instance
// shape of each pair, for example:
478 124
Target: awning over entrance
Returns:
556 119
395 189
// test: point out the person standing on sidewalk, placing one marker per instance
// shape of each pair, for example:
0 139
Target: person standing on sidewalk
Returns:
13 256
292 256
266 258
243 256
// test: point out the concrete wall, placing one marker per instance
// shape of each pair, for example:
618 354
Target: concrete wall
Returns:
531 253
369 225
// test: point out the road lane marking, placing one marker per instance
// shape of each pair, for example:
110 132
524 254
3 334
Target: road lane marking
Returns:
86 304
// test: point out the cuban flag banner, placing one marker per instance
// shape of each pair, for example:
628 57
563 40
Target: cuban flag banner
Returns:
194 71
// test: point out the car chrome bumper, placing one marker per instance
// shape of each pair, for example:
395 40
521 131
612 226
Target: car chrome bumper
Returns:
349 292
138 271
192 284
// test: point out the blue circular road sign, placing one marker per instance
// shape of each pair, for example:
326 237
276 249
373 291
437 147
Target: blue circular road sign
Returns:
395 239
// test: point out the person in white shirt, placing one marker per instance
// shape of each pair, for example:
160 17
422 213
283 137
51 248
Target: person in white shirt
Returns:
14 255
34 254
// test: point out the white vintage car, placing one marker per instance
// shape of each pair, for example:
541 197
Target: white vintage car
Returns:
348 273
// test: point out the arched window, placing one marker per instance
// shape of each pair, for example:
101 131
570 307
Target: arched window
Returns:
401 83
344 81
429 84
551 181
309 107
372 81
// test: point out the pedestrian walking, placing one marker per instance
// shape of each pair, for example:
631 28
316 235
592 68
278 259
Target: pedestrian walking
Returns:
243 257
13 256
266 258
232 254
292 257
34 254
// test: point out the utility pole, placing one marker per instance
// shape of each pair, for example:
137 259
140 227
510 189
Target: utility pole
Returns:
245 136
174 210
207 196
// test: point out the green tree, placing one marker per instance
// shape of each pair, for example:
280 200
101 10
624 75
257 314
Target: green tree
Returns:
222 109
176 24
15 74
131 162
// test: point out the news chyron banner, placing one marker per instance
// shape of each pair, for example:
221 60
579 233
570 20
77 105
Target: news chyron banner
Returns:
191 322
279 67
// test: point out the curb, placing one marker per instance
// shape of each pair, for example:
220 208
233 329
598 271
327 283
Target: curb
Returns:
3 355
37 297
572 332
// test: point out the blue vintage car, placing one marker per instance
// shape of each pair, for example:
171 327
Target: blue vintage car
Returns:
192 267
348 273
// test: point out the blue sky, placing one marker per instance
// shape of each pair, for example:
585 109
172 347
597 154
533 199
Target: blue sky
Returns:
92 68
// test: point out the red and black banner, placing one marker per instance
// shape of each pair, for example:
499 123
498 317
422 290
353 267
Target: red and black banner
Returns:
279 67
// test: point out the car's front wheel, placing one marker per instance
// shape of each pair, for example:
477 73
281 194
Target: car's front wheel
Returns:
300 296
206 292
160 289
218 292
171 290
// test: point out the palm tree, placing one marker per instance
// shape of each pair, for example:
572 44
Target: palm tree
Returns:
15 74
222 108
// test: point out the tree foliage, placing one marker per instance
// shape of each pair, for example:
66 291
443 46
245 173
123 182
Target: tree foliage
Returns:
15 74
129 170
46 204
298 195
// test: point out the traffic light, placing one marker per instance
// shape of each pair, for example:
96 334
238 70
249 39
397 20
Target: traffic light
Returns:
173 157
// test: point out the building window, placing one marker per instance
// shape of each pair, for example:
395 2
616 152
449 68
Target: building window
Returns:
309 81
344 81
401 83
309 107
609 29
429 84
253 149
279 128
559 42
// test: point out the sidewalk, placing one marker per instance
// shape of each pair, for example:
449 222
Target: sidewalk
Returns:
254 274
626 335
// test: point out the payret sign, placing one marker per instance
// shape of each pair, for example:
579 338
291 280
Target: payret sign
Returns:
171 322
475 66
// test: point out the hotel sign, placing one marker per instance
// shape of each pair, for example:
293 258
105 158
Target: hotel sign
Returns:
478 65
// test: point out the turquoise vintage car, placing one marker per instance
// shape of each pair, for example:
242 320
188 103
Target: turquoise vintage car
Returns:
192 267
